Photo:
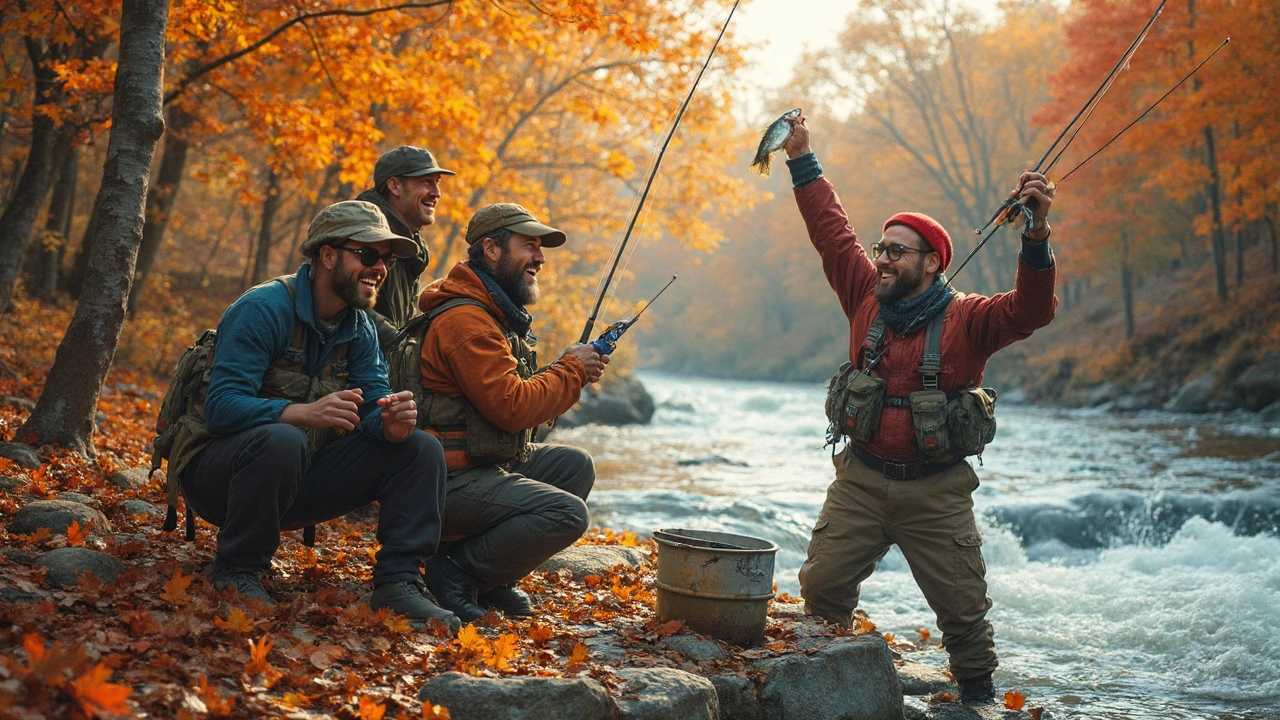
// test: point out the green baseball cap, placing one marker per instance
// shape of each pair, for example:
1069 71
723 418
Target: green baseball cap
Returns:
354 220
406 161
515 218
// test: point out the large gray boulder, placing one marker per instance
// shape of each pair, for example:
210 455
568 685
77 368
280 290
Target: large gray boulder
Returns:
618 401
1101 394
519 698
132 478
1259 386
67 563
920 679
853 680
1192 397
21 453
57 515
666 694
584 560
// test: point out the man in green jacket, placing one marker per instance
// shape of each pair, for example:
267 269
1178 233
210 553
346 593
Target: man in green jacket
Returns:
406 187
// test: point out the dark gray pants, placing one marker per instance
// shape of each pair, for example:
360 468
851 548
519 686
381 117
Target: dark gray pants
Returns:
514 519
255 483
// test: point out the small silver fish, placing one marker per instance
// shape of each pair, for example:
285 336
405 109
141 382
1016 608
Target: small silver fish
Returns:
776 134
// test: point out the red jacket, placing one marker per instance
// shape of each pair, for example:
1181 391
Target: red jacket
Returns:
974 328
466 353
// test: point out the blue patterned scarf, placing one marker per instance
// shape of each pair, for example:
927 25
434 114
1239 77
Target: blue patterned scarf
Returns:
905 316
518 319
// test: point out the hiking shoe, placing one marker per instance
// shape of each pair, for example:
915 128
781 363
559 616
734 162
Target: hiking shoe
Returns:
977 691
411 599
506 598
455 588
247 582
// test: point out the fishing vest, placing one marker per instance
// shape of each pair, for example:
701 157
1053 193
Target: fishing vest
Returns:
285 379
457 422
946 426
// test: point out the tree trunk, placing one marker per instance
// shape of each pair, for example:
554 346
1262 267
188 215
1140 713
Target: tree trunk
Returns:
1126 284
64 415
160 198
80 266
1215 204
48 142
270 205
1275 245
61 208
1239 257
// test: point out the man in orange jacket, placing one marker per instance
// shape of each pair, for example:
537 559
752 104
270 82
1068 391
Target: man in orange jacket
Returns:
513 503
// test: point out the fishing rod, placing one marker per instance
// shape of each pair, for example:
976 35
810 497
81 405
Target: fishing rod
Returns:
1003 212
608 340
653 173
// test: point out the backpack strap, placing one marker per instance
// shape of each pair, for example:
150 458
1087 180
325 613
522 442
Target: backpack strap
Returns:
875 337
931 360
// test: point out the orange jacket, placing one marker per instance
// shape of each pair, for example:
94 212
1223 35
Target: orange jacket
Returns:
974 326
465 353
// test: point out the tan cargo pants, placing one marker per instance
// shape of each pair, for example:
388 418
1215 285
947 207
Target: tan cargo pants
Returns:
931 520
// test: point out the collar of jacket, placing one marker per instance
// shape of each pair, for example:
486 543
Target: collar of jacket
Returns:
304 308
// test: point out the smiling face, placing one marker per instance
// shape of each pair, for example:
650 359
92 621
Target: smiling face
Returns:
909 275
353 283
516 267
414 199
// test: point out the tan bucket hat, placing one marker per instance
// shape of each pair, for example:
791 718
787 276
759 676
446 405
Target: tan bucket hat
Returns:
354 220
515 218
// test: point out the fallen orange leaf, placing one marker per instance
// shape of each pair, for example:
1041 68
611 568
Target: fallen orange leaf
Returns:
502 651
1013 700
96 696
219 705
236 621
539 633
40 535
175 590
258 655
924 633
580 653
77 534
371 709
469 639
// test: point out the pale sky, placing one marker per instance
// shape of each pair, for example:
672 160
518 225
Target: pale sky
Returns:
788 26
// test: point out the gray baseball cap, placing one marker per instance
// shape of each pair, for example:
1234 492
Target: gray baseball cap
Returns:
354 220
406 161
512 217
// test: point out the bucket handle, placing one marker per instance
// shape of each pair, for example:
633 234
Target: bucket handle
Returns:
699 542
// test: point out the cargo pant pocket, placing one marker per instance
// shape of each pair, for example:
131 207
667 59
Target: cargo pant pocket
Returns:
818 538
968 563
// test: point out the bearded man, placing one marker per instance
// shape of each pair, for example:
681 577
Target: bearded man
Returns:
919 350
511 503
406 188
300 426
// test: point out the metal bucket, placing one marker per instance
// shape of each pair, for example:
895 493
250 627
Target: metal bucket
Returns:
716 583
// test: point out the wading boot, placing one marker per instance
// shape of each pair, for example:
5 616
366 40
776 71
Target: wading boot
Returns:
411 599
506 598
454 588
977 691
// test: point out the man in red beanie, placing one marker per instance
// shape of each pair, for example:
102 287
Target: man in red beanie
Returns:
912 410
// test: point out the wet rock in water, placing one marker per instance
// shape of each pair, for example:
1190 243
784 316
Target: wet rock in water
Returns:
1192 397
57 515
618 401
662 693
918 709
920 679
522 698
584 560
737 697
21 453
711 460
853 680
1101 394
66 563
1014 396
133 478
1259 386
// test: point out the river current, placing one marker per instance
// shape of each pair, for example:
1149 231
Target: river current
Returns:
1133 560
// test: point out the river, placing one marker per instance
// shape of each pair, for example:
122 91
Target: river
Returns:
1133 560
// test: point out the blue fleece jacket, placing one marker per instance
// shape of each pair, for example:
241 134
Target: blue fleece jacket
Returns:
258 328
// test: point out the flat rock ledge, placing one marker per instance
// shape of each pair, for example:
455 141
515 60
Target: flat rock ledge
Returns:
819 673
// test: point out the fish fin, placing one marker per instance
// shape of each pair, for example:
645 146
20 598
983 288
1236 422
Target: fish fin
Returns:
761 164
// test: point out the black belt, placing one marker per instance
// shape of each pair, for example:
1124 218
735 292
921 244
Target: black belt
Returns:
902 471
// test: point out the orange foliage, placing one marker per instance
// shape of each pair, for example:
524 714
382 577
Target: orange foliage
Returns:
1014 700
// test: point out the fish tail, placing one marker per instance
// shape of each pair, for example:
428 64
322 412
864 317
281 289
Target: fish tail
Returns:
761 163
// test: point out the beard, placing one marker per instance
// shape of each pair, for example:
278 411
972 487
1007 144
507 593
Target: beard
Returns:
346 285
906 282
511 278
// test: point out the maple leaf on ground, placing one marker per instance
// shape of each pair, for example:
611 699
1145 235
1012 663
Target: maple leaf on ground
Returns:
671 627
469 639
502 651
580 654
175 589
434 712
48 664
219 705
371 709
258 655
942 697
539 633
39 535
98 697
77 534
1014 700
788 598
236 622
924 633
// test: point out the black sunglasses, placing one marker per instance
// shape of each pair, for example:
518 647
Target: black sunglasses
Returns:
370 257
895 250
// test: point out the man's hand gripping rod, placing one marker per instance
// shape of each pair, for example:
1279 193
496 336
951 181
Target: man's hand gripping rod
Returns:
608 340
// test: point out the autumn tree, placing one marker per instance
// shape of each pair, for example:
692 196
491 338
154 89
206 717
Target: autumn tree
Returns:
65 412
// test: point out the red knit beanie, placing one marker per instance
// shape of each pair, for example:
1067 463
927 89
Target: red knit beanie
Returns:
929 229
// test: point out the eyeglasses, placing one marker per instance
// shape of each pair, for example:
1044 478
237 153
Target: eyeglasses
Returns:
895 250
369 257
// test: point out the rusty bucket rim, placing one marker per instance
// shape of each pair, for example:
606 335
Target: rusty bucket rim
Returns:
664 536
